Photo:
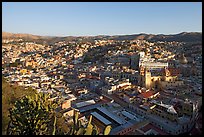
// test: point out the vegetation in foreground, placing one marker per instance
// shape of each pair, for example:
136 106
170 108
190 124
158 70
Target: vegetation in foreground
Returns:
32 113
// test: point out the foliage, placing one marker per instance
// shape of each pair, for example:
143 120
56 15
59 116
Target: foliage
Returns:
62 127
54 125
87 58
11 93
89 129
14 64
107 130
32 115
78 129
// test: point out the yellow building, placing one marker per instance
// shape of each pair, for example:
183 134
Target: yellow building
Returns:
23 71
160 78
148 83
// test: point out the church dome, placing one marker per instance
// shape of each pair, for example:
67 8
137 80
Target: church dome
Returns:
183 59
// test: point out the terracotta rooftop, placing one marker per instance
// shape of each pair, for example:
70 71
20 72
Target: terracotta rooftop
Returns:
92 77
146 94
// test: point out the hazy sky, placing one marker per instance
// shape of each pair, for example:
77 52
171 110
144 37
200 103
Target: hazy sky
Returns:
101 18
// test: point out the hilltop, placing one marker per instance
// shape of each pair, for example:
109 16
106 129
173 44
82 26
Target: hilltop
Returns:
181 37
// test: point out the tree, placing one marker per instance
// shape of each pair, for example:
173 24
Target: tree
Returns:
87 58
11 93
14 64
32 115
35 115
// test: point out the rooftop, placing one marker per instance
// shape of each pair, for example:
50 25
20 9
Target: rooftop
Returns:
85 103
150 126
111 115
101 118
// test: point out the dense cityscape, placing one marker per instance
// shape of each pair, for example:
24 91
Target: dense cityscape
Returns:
132 86
102 68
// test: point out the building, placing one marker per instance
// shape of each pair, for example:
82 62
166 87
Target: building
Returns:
158 78
100 121
154 64
182 59
113 84
67 103
167 117
134 61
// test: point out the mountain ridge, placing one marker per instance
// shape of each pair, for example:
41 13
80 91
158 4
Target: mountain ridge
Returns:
183 36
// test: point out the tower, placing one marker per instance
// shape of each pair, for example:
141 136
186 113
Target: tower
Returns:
147 79
183 59
141 76
134 61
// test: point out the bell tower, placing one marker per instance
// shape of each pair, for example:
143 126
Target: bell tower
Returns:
147 78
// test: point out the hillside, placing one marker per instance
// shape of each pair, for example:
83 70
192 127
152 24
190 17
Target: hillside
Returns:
181 37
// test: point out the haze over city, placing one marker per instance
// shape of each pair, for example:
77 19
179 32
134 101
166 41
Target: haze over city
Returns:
101 18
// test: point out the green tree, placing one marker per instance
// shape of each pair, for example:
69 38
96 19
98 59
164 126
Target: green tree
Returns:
14 64
32 115
87 58
11 93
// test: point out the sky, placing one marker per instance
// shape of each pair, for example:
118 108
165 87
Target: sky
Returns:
101 18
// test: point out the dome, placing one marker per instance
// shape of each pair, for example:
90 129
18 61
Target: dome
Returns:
183 59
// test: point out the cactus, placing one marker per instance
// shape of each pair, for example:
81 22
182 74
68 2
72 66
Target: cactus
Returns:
76 116
79 124
107 130
95 130
80 131
89 129
30 115
55 120
90 119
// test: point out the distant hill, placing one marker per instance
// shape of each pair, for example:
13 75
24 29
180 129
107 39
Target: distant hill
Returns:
6 35
181 37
